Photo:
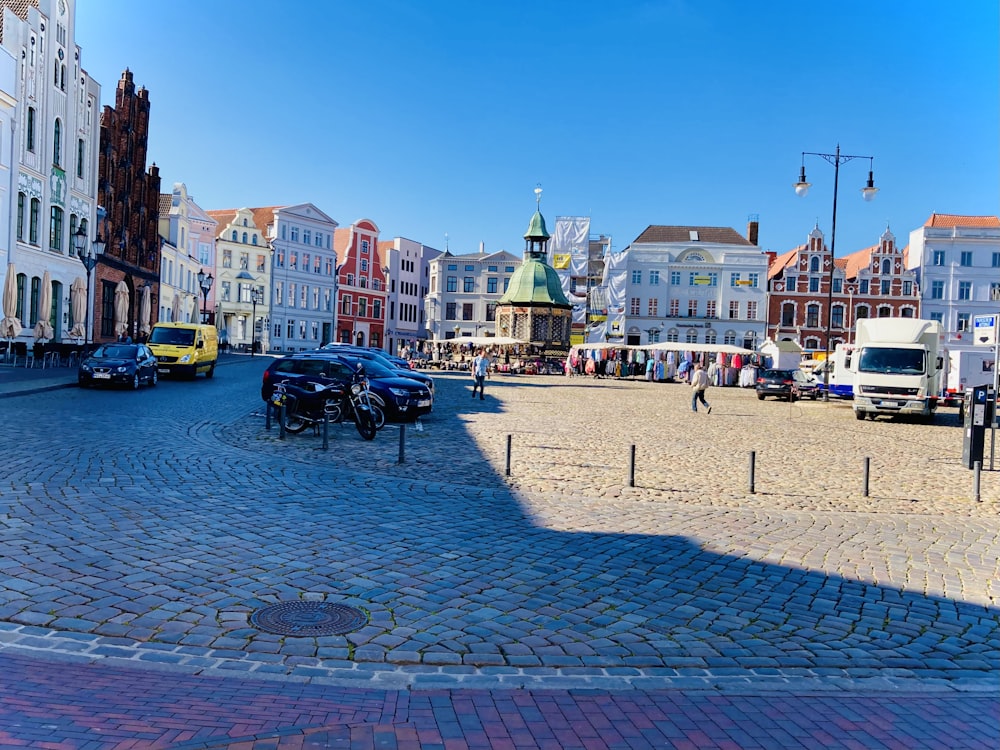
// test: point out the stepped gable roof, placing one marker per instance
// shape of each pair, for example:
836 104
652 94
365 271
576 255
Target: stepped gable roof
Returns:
223 216
710 235
958 220
855 262
263 217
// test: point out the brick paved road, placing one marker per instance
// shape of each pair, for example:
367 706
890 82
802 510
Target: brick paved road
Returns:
558 578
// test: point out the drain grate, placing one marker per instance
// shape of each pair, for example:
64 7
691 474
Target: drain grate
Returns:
308 618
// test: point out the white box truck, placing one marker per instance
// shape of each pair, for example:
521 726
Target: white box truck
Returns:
968 367
898 367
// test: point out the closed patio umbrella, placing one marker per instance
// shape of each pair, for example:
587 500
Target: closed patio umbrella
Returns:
43 328
10 326
175 311
78 301
145 311
121 308
195 311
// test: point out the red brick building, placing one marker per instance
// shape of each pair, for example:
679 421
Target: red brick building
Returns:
131 197
361 285
873 282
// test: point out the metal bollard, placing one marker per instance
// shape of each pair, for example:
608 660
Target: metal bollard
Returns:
326 431
281 422
402 444
866 474
631 466
267 414
508 455
751 482
976 469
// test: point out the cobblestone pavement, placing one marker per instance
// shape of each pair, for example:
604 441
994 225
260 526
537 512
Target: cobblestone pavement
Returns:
141 530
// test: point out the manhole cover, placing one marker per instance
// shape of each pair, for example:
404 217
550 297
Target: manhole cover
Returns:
308 618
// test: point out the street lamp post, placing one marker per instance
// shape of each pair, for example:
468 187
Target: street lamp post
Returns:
868 193
205 282
650 332
255 297
89 253
850 312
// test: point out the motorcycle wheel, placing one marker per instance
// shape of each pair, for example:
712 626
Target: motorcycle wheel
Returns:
294 423
378 417
365 423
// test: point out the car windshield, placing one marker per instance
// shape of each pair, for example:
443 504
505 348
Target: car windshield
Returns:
777 374
373 368
172 336
892 361
115 351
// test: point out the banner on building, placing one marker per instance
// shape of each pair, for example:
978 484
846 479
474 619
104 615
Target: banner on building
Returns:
569 248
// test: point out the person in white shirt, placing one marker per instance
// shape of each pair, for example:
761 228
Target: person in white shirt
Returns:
480 366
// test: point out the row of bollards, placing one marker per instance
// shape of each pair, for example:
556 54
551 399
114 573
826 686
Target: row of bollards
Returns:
400 458
751 477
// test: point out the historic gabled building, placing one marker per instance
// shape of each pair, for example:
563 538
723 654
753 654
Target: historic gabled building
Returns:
873 282
958 260
243 276
131 197
361 285
49 117
188 246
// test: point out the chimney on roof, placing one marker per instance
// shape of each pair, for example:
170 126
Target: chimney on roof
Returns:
753 228
482 247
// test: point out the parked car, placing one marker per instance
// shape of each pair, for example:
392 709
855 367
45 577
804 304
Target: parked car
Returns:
118 364
387 360
788 385
401 399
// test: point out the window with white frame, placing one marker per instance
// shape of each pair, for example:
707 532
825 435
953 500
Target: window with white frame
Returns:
963 321
965 290
692 308
965 259
675 278
734 309
636 276
752 310
291 295
675 308
710 308
633 308
653 307
654 278
937 258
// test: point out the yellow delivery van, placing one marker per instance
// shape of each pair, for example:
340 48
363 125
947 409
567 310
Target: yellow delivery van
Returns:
185 349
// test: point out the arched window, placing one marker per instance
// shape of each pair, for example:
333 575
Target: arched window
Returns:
884 311
234 235
692 336
788 314
36 208
886 266
253 240
814 264
672 335
245 222
710 336
57 143
811 343
812 315
245 238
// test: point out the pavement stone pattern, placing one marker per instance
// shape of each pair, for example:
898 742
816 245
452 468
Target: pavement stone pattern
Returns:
141 530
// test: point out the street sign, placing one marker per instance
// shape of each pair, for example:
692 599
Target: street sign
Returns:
984 329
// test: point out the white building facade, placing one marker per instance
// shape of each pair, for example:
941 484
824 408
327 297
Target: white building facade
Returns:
958 261
408 264
463 292
242 279
696 285
55 139
303 277
188 246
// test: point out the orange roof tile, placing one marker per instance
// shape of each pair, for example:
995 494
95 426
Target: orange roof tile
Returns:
957 220
781 262
856 261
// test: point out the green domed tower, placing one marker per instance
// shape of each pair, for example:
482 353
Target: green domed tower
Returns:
534 308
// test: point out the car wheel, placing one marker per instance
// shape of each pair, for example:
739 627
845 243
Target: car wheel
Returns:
211 372
760 396
154 380
135 382
859 415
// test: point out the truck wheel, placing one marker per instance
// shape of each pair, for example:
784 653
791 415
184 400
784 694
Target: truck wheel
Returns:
859 415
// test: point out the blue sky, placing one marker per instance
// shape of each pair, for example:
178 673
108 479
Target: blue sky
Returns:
439 119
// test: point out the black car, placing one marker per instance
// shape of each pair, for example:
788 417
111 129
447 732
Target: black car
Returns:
118 364
787 385
401 366
401 399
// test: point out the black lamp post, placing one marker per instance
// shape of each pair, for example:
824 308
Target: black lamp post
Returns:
650 332
255 297
89 253
868 193
205 282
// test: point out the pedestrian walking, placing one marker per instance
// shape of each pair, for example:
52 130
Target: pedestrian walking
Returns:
480 368
699 384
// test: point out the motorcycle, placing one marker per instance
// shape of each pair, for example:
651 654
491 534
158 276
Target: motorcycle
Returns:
333 402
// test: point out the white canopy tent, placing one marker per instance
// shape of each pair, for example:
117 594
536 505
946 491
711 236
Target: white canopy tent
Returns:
480 341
